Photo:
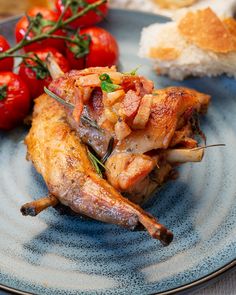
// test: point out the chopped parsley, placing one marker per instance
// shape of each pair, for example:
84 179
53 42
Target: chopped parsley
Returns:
107 84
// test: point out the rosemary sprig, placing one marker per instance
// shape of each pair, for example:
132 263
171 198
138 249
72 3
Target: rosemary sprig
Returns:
194 121
109 150
59 99
88 121
208 146
60 24
96 163
71 106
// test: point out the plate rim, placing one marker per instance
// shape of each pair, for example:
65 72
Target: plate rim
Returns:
195 285
179 290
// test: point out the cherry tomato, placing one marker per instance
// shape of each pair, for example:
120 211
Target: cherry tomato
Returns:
103 50
7 63
14 100
37 76
89 19
46 15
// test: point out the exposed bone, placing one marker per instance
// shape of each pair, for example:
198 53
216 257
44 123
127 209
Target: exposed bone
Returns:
53 67
35 207
155 229
184 155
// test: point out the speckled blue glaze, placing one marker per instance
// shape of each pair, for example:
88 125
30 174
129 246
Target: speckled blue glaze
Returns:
53 254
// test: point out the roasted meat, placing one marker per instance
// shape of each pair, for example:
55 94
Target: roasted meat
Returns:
102 139
147 125
60 157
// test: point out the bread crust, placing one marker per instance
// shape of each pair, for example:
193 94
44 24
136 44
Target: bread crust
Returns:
230 24
204 29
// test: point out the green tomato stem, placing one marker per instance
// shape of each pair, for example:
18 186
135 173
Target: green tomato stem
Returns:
59 25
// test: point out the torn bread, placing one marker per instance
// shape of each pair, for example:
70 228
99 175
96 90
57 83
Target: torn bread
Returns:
198 44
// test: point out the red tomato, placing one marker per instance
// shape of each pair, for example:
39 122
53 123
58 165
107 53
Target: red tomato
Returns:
47 15
89 19
7 63
103 50
38 76
14 100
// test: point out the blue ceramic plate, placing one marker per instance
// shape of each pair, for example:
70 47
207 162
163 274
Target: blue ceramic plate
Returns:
53 254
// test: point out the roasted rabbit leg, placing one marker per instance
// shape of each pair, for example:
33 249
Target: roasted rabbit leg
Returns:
62 160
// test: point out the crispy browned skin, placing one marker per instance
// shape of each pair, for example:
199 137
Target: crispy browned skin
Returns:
62 160
168 108
143 123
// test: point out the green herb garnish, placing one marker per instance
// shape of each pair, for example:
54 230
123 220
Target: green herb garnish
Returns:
109 150
58 98
195 124
107 84
84 119
96 163
208 146
133 72
87 120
